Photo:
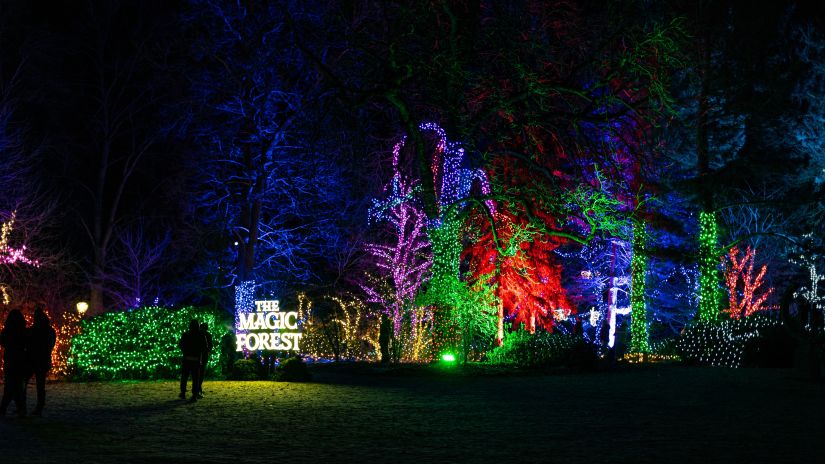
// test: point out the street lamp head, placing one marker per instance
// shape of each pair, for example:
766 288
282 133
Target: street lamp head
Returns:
82 306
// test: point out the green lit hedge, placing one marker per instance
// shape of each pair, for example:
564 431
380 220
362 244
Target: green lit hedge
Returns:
139 344
542 349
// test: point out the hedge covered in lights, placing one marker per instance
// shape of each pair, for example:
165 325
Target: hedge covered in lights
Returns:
141 343
542 349
735 342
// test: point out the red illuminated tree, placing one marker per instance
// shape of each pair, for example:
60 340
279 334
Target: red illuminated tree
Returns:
520 260
751 295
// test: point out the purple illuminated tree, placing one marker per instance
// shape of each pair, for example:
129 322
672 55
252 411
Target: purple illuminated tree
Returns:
404 261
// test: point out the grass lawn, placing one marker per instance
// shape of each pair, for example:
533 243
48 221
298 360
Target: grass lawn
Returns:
635 414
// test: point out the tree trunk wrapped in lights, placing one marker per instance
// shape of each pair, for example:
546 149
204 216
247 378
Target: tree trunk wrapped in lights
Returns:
402 265
444 287
639 337
709 275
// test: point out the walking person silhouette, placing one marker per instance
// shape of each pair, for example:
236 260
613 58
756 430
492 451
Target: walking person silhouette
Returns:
41 343
192 344
205 357
13 340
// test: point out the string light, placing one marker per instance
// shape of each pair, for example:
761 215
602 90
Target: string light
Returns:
615 286
403 266
446 294
9 254
603 260
138 344
244 299
752 297
811 292
639 336
523 348
594 317
444 286
65 330
722 343
709 278
447 167
352 330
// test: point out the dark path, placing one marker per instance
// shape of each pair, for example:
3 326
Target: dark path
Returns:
658 414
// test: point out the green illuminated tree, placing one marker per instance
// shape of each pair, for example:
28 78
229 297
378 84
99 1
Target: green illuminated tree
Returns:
639 333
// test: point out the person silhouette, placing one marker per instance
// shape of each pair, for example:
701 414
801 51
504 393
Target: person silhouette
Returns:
227 354
205 357
13 340
192 344
39 354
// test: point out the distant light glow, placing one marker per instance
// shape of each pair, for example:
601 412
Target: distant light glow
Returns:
594 316
82 306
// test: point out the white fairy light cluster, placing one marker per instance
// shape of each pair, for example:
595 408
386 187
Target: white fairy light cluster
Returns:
811 292
722 343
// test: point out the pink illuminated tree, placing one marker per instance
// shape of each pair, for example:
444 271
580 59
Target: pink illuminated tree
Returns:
11 256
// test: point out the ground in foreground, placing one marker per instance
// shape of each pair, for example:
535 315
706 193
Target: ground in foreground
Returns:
648 414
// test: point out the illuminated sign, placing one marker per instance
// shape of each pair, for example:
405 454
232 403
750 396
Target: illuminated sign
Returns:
268 328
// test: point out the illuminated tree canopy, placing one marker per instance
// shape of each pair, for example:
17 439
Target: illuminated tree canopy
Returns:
428 177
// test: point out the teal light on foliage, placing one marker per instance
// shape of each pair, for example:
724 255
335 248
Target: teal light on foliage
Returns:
142 343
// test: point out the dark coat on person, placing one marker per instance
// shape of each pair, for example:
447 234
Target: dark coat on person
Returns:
14 341
41 343
209 344
192 343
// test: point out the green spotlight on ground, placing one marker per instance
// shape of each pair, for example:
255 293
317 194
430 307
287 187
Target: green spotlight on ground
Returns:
448 357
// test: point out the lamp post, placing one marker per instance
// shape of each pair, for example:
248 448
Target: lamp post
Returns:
82 306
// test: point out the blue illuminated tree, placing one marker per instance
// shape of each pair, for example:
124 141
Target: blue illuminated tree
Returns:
731 152
269 191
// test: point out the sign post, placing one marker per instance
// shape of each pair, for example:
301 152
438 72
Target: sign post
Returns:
268 328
